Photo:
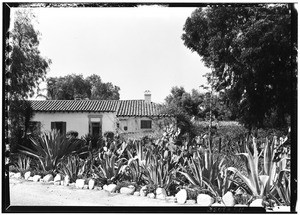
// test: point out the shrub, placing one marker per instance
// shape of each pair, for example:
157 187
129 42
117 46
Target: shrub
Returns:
93 141
51 147
72 134
265 180
70 166
109 168
22 164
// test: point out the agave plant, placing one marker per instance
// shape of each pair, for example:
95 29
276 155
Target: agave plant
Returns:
282 189
158 172
23 163
50 148
109 169
204 171
70 167
260 183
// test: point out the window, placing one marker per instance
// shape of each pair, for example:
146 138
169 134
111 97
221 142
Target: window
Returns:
95 126
60 126
146 124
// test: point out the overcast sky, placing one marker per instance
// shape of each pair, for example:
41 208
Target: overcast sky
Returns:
136 49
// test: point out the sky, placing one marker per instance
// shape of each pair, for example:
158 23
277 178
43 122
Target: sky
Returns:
136 49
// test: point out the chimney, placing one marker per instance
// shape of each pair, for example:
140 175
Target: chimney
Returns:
147 95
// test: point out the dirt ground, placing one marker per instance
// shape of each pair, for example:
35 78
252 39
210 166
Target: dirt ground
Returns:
28 193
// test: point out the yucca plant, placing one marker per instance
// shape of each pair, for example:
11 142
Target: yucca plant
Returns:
51 147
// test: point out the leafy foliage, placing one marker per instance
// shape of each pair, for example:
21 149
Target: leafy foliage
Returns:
109 168
28 67
51 147
203 171
250 52
262 183
70 166
194 106
20 113
74 86
23 164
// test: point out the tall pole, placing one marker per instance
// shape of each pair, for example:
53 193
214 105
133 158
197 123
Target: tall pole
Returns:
210 119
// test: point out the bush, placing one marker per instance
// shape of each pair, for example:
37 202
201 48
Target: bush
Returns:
93 141
72 134
51 147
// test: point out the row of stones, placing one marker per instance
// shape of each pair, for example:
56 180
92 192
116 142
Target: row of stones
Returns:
180 197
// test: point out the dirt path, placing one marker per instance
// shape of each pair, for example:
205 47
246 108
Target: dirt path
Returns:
27 193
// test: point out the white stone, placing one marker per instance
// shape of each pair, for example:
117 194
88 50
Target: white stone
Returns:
161 196
171 199
57 178
110 188
17 175
56 182
181 196
79 183
85 186
27 175
204 200
98 188
136 193
256 203
11 174
30 179
228 199
216 204
190 202
67 180
143 191
161 193
36 178
127 190
151 195
48 178
91 184
282 208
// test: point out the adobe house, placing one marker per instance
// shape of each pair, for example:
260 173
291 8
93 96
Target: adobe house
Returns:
97 116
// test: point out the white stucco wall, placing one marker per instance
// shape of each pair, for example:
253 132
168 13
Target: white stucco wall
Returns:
134 124
75 121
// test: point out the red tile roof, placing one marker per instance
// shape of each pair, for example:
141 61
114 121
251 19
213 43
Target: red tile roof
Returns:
138 108
74 105
121 107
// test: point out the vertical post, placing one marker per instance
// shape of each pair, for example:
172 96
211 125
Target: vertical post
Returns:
210 119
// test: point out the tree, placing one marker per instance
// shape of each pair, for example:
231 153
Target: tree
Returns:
22 75
76 86
189 108
250 52
28 67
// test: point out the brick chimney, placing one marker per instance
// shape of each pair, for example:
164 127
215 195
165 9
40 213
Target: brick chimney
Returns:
147 95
